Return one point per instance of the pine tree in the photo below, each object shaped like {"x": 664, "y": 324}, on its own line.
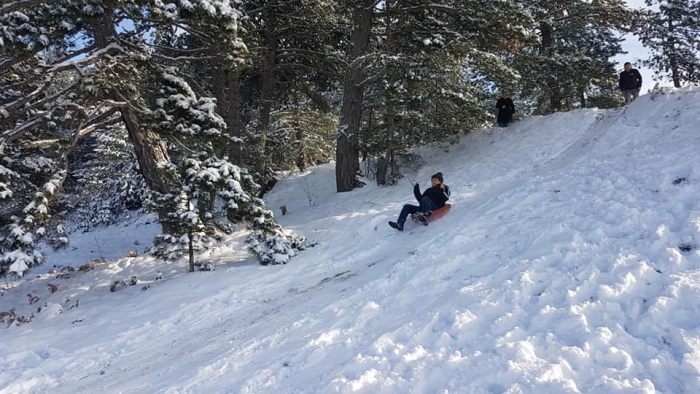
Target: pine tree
{"x": 573, "y": 58}
{"x": 290, "y": 65}
{"x": 70, "y": 68}
{"x": 104, "y": 183}
{"x": 418, "y": 73}
{"x": 199, "y": 178}
{"x": 18, "y": 247}
{"x": 671, "y": 34}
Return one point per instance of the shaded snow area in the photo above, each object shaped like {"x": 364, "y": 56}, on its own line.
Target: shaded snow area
{"x": 568, "y": 263}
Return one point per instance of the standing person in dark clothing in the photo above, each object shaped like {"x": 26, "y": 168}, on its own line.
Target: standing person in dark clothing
{"x": 432, "y": 199}
{"x": 506, "y": 109}
{"x": 630, "y": 83}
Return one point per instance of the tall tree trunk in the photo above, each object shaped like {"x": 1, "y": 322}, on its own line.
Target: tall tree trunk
{"x": 226, "y": 89}
{"x": 675, "y": 72}
{"x": 554, "y": 98}
{"x": 268, "y": 83}
{"x": 150, "y": 150}
{"x": 235, "y": 120}
{"x": 383, "y": 165}
{"x": 190, "y": 249}
{"x": 552, "y": 88}
{"x": 347, "y": 154}
{"x": 301, "y": 156}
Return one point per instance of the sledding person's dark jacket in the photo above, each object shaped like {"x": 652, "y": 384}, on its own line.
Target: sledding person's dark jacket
{"x": 630, "y": 80}
{"x": 435, "y": 193}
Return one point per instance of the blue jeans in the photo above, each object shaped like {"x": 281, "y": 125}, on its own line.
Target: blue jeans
{"x": 426, "y": 205}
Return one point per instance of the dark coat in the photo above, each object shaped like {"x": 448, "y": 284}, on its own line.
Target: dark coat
{"x": 506, "y": 109}
{"x": 435, "y": 193}
{"x": 630, "y": 80}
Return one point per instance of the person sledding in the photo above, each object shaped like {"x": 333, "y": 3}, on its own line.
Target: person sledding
{"x": 433, "y": 198}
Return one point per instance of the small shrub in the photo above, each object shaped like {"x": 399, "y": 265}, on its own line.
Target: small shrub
{"x": 116, "y": 285}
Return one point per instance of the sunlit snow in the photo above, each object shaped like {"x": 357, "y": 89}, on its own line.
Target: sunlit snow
{"x": 569, "y": 262}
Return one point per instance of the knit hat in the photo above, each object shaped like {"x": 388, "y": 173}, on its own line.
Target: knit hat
{"x": 437, "y": 176}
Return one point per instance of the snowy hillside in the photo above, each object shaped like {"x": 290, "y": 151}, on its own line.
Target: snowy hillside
{"x": 569, "y": 262}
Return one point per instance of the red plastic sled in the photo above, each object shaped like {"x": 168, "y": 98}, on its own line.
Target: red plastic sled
{"x": 437, "y": 214}
{"x": 440, "y": 212}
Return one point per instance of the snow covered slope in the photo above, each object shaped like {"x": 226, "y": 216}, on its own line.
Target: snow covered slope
{"x": 569, "y": 262}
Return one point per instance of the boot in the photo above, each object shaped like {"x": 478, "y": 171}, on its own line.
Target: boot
{"x": 396, "y": 225}
{"x": 423, "y": 219}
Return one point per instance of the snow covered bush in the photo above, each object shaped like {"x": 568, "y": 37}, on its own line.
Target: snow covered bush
{"x": 18, "y": 240}
{"x": 5, "y": 175}
{"x": 186, "y": 229}
{"x": 275, "y": 247}
{"x": 205, "y": 187}
{"x": 267, "y": 241}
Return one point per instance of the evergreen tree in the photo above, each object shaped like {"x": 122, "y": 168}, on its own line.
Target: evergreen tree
{"x": 201, "y": 178}
{"x": 573, "y": 58}
{"x": 291, "y": 66}
{"x": 68, "y": 68}
{"x": 418, "y": 76}
{"x": 104, "y": 183}
{"x": 281, "y": 94}
{"x": 17, "y": 247}
{"x": 671, "y": 34}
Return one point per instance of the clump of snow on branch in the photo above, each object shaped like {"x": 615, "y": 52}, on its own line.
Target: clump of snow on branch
{"x": 18, "y": 246}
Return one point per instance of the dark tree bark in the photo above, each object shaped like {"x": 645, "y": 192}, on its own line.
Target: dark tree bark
{"x": 190, "y": 250}
{"x": 546, "y": 44}
{"x": 387, "y": 162}
{"x": 226, "y": 88}
{"x": 347, "y": 155}
{"x": 673, "y": 61}
{"x": 301, "y": 157}
{"x": 149, "y": 148}
{"x": 268, "y": 83}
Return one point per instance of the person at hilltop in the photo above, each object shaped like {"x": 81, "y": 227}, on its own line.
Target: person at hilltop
{"x": 630, "y": 83}
{"x": 433, "y": 198}
{"x": 506, "y": 109}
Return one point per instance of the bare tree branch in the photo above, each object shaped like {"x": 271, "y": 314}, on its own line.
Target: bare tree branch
{"x": 21, "y": 4}
{"x": 16, "y": 105}
{"x": 80, "y": 133}
{"x": 96, "y": 122}
{"x": 8, "y": 63}
{"x": 9, "y": 135}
